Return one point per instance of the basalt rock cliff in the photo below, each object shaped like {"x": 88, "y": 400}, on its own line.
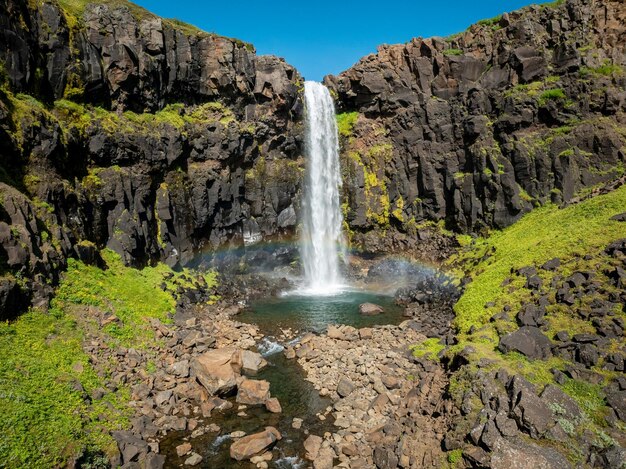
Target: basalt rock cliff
{"x": 120, "y": 129}
{"x": 476, "y": 129}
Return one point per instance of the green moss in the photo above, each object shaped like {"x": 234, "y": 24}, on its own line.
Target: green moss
{"x": 346, "y": 123}
{"x": 545, "y": 233}
{"x": 607, "y": 69}
{"x": 133, "y": 296}
{"x": 429, "y": 348}
{"x": 45, "y": 421}
{"x": 555, "y": 94}
{"x": 453, "y": 52}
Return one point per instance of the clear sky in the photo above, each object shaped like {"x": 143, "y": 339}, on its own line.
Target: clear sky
{"x": 326, "y": 36}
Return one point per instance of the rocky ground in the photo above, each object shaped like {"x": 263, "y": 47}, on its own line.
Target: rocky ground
{"x": 389, "y": 408}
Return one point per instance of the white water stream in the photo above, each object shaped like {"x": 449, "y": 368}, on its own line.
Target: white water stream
{"x": 322, "y": 243}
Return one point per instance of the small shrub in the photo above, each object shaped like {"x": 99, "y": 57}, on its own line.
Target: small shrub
{"x": 346, "y": 122}
{"x": 453, "y": 52}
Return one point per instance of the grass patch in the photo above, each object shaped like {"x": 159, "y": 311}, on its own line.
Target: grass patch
{"x": 44, "y": 418}
{"x": 545, "y": 233}
{"x": 554, "y": 94}
{"x": 430, "y": 348}
{"x": 453, "y": 52}
{"x": 346, "y": 122}
{"x": 133, "y": 296}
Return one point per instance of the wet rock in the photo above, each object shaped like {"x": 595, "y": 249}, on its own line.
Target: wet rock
{"x": 193, "y": 460}
{"x": 619, "y": 217}
{"x": 214, "y": 371}
{"x": 252, "y": 362}
{"x": 273, "y": 406}
{"x": 528, "y": 341}
{"x": 370, "y": 309}
{"x": 252, "y": 445}
{"x": 182, "y": 450}
{"x": 312, "y": 446}
{"x": 253, "y": 392}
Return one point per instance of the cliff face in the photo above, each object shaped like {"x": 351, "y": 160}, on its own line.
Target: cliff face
{"x": 145, "y": 136}
{"x": 120, "y": 129}
{"x": 478, "y": 128}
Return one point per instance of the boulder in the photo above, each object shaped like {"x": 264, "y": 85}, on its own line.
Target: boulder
{"x": 528, "y": 341}
{"x": 273, "y": 405}
{"x": 214, "y": 371}
{"x": 617, "y": 400}
{"x": 252, "y": 362}
{"x": 345, "y": 387}
{"x": 253, "y": 392}
{"x": 516, "y": 454}
{"x": 252, "y": 445}
{"x": 312, "y": 446}
{"x": 531, "y": 413}
{"x": 370, "y": 309}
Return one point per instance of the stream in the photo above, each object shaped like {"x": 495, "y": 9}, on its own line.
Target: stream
{"x": 298, "y": 397}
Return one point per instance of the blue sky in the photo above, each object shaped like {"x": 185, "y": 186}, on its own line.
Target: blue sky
{"x": 322, "y": 37}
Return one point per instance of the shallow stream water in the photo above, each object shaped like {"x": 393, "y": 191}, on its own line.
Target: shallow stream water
{"x": 298, "y": 397}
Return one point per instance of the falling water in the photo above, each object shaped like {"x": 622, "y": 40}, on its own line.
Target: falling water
{"x": 322, "y": 239}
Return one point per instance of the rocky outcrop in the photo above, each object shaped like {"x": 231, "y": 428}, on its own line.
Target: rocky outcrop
{"x": 146, "y": 136}
{"x": 476, "y": 129}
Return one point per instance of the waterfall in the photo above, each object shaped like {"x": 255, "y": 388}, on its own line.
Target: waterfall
{"x": 322, "y": 238}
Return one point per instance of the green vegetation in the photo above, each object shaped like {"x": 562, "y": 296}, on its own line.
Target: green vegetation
{"x": 133, "y": 296}
{"x": 429, "y": 348}
{"x": 346, "y": 122}
{"x": 607, "y": 69}
{"x": 554, "y": 94}
{"x": 43, "y": 371}
{"x": 453, "y": 52}
{"x": 44, "y": 418}
{"x": 545, "y": 233}
{"x": 493, "y": 23}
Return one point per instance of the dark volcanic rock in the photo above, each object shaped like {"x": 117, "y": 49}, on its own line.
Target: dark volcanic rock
{"x": 528, "y": 341}
{"x": 465, "y": 139}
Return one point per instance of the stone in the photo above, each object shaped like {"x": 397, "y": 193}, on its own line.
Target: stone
{"x": 252, "y": 445}
{"x": 214, "y": 371}
{"x": 193, "y": 460}
{"x": 334, "y": 332}
{"x": 253, "y": 392}
{"x": 273, "y": 406}
{"x": 370, "y": 309}
{"x": 345, "y": 387}
{"x": 531, "y": 413}
{"x": 252, "y": 362}
{"x": 324, "y": 459}
{"x": 619, "y": 217}
{"x": 312, "y": 446}
{"x": 516, "y": 454}
{"x": 296, "y": 423}
{"x": 182, "y": 450}
{"x": 528, "y": 341}
{"x": 617, "y": 401}
{"x": 385, "y": 457}
{"x": 560, "y": 403}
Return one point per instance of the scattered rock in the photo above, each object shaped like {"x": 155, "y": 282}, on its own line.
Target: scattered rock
{"x": 370, "y": 309}
{"x": 528, "y": 341}
{"x": 193, "y": 460}
{"x": 273, "y": 405}
{"x": 312, "y": 446}
{"x": 214, "y": 371}
{"x": 252, "y": 445}
{"x": 253, "y": 392}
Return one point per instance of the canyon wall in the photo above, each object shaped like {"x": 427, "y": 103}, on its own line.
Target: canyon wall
{"x": 474, "y": 130}
{"x": 124, "y": 130}
{"x": 120, "y": 129}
